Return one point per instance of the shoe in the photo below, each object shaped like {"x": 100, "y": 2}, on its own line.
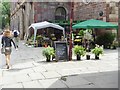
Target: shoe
{"x": 8, "y": 66}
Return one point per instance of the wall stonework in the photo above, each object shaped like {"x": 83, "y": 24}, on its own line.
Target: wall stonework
{"x": 90, "y": 11}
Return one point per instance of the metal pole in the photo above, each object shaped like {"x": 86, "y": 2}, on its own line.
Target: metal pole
{"x": 70, "y": 40}
{"x": 118, "y": 30}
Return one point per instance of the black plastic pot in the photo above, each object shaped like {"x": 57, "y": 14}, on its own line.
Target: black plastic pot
{"x": 53, "y": 57}
{"x": 78, "y": 57}
{"x": 96, "y": 57}
{"x": 48, "y": 59}
{"x": 88, "y": 57}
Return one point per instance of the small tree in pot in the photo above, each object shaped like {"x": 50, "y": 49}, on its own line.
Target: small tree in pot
{"x": 97, "y": 51}
{"x": 48, "y": 53}
{"x": 79, "y": 51}
{"x": 88, "y": 38}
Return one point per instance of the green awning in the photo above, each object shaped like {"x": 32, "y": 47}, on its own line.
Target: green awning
{"x": 92, "y": 23}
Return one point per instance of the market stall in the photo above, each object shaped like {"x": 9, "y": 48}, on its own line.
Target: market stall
{"x": 45, "y": 24}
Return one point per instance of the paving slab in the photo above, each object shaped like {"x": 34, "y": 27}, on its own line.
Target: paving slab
{"x": 16, "y": 85}
{"x": 8, "y": 80}
{"x": 32, "y": 84}
{"x": 51, "y": 74}
{"x": 22, "y": 78}
{"x": 65, "y": 72}
{"x": 39, "y": 69}
{"x": 36, "y": 76}
{"x": 23, "y": 65}
{"x": 17, "y": 71}
{"x": 52, "y": 83}
{"x": 75, "y": 81}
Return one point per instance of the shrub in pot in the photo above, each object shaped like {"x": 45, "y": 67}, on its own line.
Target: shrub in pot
{"x": 105, "y": 39}
{"x": 48, "y": 53}
{"x": 79, "y": 51}
{"x": 97, "y": 51}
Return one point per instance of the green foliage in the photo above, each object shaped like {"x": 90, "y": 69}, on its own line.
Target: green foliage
{"x": 5, "y": 14}
{"x": 105, "y": 39}
{"x": 81, "y": 33}
{"x": 32, "y": 38}
{"x": 79, "y": 50}
{"x": 97, "y": 50}
{"x": 49, "y": 51}
{"x": 39, "y": 36}
{"x": 39, "y": 39}
{"x": 89, "y": 30}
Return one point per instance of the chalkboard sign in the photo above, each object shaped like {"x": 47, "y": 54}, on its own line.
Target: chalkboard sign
{"x": 61, "y": 50}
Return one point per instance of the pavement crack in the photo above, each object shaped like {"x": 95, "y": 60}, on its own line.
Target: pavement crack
{"x": 64, "y": 78}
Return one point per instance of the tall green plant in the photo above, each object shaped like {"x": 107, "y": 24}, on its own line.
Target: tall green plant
{"x": 5, "y": 14}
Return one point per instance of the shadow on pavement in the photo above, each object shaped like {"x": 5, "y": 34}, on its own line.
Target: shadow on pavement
{"x": 93, "y": 80}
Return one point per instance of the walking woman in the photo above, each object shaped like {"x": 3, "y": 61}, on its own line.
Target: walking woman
{"x": 7, "y": 44}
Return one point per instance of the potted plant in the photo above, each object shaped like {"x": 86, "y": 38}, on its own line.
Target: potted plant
{"x": 48, "y": 53}
{"x": 39, "y": 40}
{"x": 97, "y": 51}
{"x": 79, "y": 51}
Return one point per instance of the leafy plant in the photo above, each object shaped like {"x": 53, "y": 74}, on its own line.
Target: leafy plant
{"x": 39, "y": 39}
{"x": 79, "y": 50}
{"x": 81, "y": 33}
{"x": 5, "y": 14}
{"x": 48, "y": 52}
{"x": 97, "y": 50}
{"x": 105, "y": 39}
{"x": 87, "y": 34}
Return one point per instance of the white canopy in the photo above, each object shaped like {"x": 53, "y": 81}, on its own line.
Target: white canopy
{"x": 44, "y": 24}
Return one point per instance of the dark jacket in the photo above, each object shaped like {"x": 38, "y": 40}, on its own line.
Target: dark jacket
{"x": 7, "y": 42}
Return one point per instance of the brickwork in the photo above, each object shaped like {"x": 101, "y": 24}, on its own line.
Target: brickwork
{"x": 90, "y": 11}
{"x": 46, "y": 11}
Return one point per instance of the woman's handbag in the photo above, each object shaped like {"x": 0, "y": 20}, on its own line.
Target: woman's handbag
{"x": 2, "y": 50}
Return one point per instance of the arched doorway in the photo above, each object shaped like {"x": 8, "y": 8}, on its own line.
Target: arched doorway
{"x": 60, "y": 13}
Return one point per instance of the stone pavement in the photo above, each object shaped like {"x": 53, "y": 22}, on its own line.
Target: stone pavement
{"x": 30, "y": 70}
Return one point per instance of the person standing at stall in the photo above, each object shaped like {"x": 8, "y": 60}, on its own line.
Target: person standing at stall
{"x": 16, "y": 37}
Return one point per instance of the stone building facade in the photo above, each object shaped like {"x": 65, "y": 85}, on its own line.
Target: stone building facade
{"x": 24, "y": 13}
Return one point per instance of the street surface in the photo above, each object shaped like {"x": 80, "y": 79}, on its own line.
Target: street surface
{"x": 30, "y": 70}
